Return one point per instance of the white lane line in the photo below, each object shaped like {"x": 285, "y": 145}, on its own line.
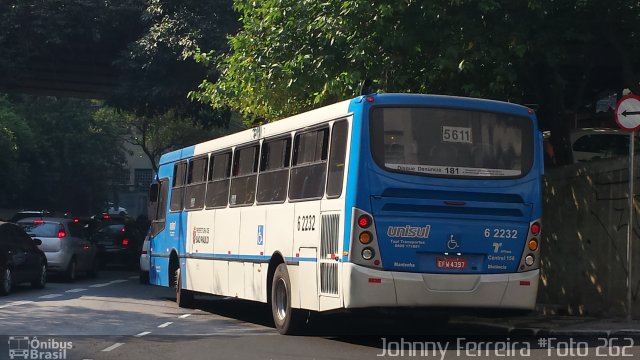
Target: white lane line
{"x": 165, "y": 324}
{"x": 50, "y": 296}
{"x": 184, "y": 316}
{"x": 75, "y": 290}
{"x": 133, "y": 277}
{"x": 142, "y": 334}
{"x": 112, "y": 347}
{"x": 16, "y": 303}
{"x": 109, "y": 283}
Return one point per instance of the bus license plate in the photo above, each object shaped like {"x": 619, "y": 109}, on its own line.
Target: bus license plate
{"x": 451, "y": 263}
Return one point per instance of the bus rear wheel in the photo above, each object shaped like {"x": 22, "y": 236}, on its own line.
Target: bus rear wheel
{"x": 184, "y": 297}
{"x": 287, "y": 320}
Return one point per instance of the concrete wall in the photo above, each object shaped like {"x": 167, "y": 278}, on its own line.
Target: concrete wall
{"x": 585, "y": 222}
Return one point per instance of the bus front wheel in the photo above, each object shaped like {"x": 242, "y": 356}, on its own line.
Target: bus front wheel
{"x": 287, "y": 320}
{"x": 184, "y": 297}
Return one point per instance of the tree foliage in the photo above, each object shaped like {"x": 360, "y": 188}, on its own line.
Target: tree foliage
{"x": 57, "y": 157}
{"x": 294, "y": 55}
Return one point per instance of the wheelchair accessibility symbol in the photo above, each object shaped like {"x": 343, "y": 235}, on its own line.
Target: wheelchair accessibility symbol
{"x": 452, "y": 244}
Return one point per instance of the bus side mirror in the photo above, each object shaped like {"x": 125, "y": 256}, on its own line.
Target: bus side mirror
{"x": 153, "y": 193}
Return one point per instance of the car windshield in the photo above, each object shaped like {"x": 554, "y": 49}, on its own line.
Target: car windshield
{"x": 46, "y": 229}
{"x": 451, "y": 142}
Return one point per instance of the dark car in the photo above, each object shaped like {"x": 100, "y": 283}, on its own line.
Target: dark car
{"x": 119, "y": 240}
{"x": 20, "y": 259}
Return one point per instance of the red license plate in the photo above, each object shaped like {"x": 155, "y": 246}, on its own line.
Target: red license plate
{"x": 457, "y": 263}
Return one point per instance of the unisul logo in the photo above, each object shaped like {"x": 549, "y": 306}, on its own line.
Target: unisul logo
{"x": 24, "y": 347}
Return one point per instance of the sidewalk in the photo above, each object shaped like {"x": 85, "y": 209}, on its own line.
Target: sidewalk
{"x": 556, "y": 325}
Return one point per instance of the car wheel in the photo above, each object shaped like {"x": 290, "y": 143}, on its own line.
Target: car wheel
{"x": 70, "y": 274}
{"x": 287, "y": 320}
{"x": 41, "y": 280}
{"x": 184, "y": 298}
{"x": 7, "y": 281}
{"x": 95, "y": 269}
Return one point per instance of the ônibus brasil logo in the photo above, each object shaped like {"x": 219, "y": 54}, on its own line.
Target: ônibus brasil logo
{"x": 24, "y": 347}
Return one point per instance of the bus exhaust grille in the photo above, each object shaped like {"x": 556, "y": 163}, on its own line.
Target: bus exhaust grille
{"x": 329, "y": 254}
{"x": 329, "y": 278}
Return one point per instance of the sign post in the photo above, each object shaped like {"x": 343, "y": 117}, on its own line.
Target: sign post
{"x": 628, "y": 118}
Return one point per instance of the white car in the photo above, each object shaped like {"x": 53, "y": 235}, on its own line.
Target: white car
{"x": 145, "y": 262}
{"x": 591, "y": 144}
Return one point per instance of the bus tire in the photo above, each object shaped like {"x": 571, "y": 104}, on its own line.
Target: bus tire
{"x": 184, "y": 297}
{"x": 288, "y": 321}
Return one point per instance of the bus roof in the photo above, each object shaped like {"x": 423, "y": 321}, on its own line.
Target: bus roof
{"x": 336, "y": 111}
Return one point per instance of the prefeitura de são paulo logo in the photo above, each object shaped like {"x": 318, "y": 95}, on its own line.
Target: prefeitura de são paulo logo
{"x": 25, "y": 347}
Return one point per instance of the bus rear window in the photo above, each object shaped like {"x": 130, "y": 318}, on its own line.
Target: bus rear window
{"x": 451, "y": 142}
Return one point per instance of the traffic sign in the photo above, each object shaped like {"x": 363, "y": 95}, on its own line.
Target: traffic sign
{"x": 628, "y": 113}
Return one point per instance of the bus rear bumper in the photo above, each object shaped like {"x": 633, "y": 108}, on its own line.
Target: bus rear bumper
{"x": 365, "y": 287}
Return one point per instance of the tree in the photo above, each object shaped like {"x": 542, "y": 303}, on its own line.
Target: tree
{"x": 158, "y": 70}
{"x": 158, "y": 134}
{"x": 61, "y": 157}
{"x": 294, "y": 55}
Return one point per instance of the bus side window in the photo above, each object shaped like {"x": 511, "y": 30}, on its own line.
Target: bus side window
{"x": 159, "y": 216}
{"x": 243, "y": 183}
{"x": 309, "y": 167}
{"x": 274, "y": 170}
{"x": 196, "y": 177}
{"x": 337, "y": 158}
{"x": 177, "y": 190}
{"x": 218, "y": 180}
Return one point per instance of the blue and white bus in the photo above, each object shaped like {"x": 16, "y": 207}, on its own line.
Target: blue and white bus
{"x": 384, "y": 200}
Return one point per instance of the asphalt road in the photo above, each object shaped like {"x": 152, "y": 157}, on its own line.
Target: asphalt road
{"x": 114, "y": 317}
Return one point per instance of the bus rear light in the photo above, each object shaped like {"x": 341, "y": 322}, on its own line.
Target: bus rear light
{"x": 529, "y": 260}
{"x": 370, "y": 99}
{"x": 364, "y": 221}
{"x": 535, "y": 228}
{"x": 365, "y": 237}
{"x": 368, "y": 253}
{"x": 533, "y": 244}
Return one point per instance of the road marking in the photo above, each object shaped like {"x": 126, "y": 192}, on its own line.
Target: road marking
{"x": 16, "y": 303}
{"x": 133, "y": 277}
{"x": 184, "y": 316}
{"x": 165, "y": 324}
{"x": 75, "y": 290}
{"x": 112, "y": 347}
{"x": 143, "y": 334}
{"x": 107, "y": 284}
{"x": 50, "y": 296}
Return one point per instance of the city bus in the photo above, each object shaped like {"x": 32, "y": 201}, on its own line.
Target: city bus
{"x": 381, "y": 201}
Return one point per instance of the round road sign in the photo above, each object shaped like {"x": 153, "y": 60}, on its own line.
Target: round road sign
{"x": 628, "y": 113}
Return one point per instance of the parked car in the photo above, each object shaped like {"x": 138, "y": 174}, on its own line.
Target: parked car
{"x": 593, "y": 143}
{"x": 145, "y": 260}
{"x": 20, "y": 259}
{"x": 23, "y": 214}
{"x": 119, "y": 240}
{"x": 65, "y": 244}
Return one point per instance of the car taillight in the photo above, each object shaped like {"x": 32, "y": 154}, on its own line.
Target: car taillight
{"x": 61, "y": 234}
{"x": 38, "y": 222}
{"x": 125, "y": 242}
